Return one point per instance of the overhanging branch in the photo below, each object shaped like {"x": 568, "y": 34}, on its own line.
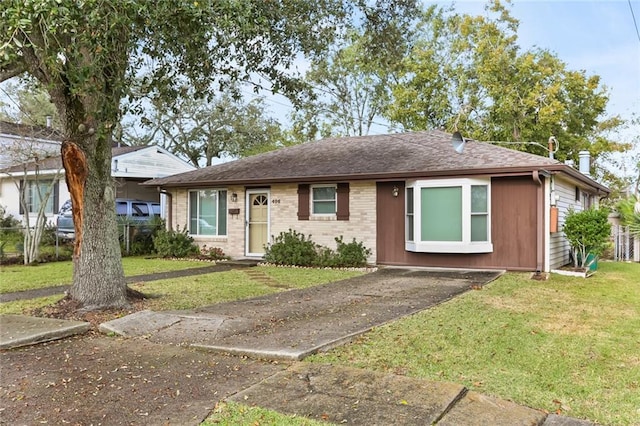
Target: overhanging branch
{"x": 12, "y": 70}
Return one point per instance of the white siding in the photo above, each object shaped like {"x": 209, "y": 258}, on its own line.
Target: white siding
{"x": 558, "y": 245}
{"x": 148, "y": 163}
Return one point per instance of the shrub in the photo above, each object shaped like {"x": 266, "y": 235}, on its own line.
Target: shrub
{"x": 292, "y": 248}
{"x": 588, "y": 232}
{"x": 141, "y": 235}
{"x": 213, "y": 253}
{"x": 174, "y": 244}
{"x": 353, "y": 254}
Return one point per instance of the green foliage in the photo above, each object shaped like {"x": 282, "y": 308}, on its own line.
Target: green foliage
{"x": 588, "y": 232}
{"x": 294, "y": 248}
{"x": 213, "y": 253}
{"x": 203, "y": 130}
{"x": 174, "y": 243}
{"x": 351, "y": 254}
{"x": 141, "y": 234}
{"x": 49, "y": 234}
{"x": 469, "y": 73}
{"x": 629, "y": 210}
{"x": 8, "y": 224}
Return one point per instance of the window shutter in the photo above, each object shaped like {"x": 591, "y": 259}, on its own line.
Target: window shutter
{"x": 56, "y": 197}
{"x": 22, "y": 198}
{"x": 343, "y": 201}
{"x": 303, "y": 202}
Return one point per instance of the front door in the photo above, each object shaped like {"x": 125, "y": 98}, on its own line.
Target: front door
{"x": 257, "y": 222}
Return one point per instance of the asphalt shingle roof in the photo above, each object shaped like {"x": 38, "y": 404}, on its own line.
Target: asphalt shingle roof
{"x": 29, "y": 131}
{"x": 379, "y": 156}
{"x": 55, "y": 163}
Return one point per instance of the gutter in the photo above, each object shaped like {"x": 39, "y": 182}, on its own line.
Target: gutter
{"x": 540, "y": 225}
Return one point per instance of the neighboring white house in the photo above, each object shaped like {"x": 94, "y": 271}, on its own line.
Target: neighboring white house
{"x": 130, "y": 166}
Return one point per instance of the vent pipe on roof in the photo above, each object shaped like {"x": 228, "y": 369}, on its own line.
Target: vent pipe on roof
{"x": 585, "y": 163}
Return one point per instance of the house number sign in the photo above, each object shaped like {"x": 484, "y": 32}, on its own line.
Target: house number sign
{"x": 275, "y": 201}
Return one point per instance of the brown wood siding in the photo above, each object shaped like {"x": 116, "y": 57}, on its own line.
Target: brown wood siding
{"x": 513, "y": 227}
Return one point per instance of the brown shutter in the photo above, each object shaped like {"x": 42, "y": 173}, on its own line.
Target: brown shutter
{"x": 343, "y": 201}
{"x": 303, "y": 202}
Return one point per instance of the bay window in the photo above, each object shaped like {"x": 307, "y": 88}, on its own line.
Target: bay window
{"x": 449, "y": 216}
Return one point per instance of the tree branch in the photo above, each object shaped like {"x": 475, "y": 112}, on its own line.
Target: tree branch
{"x": 12, "y": 70}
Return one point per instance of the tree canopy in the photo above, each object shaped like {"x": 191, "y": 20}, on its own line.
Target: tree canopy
{"x": 202, "y": 131}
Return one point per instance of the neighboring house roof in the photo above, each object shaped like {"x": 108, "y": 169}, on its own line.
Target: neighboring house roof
{"x": 382, "y": 157}
{"x": 28, "y": 131}
{"x": 141, "y": 166}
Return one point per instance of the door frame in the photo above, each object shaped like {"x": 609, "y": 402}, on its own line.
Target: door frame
{"x": 247, "y": 200}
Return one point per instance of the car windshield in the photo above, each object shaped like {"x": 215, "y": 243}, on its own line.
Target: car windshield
{"x": 66, "y": 207}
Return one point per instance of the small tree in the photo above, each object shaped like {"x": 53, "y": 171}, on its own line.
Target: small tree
{"x": 588, "y": 232}
{"x": 35, "y": 192}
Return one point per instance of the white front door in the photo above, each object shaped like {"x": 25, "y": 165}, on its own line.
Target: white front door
{"x": 257, "y": 222}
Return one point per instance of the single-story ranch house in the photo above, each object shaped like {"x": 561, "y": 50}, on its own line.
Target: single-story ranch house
{"x": 409, "y": 197}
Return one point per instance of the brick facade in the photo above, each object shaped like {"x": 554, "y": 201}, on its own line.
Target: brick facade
{"x": 283, "y": 215}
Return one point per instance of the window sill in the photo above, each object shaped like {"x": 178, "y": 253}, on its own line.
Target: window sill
{"x": 209, "y": 238}
{"x": 448, "y": 247}
{"x": 328, "y": 217}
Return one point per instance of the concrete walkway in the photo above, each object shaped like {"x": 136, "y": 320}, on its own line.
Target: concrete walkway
{"x": 294, "y": 324}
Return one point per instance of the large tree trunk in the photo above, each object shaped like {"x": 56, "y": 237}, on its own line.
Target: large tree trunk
{"x": 98, "y": 278}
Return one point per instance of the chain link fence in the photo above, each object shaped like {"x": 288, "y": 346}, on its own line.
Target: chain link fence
{"x": 135, "y": 238}
{"x": 625, "y": 245}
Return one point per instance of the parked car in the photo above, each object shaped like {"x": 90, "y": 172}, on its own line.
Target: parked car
{"x": 133, "y": 212}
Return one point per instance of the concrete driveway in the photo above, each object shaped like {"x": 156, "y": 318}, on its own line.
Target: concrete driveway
{"x": 297, "y": 323}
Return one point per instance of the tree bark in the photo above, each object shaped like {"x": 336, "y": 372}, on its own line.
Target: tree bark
{"x": 98, "y": 277}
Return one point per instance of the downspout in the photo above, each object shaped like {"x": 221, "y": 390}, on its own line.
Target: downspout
{"x": 169, "y": 209}
{"x": 539, "y": 222}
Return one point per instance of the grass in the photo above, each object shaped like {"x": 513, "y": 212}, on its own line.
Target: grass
{"x": 21, "y": 277}
{"x": 201, "y": 290}
{"x": 191, "y": 292}
{"x": 232, "y": 414}
{"x": 21, "y": 306}
{"x": 564, "y": 345}
{"x": 307, "y": 277}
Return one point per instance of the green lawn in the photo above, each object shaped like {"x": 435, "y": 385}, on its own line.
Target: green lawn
{"x": 21, "y": 277}
{"x": 566, "y": 344}
{"x": 191, "y": 292}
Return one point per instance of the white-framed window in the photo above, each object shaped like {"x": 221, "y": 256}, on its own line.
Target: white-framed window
{"x": 324, "y": 200}
{"x": 409, "y": 226}
{"x": 449, "y": 216}
{"x": 208, "y": 212}
{"x": 37, "y": 192}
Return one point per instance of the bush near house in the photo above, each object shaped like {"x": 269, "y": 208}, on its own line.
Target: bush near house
{"x": 295, "y": 249}
{"x": 170, "y": 243}
{"x": 588, "y": 232}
